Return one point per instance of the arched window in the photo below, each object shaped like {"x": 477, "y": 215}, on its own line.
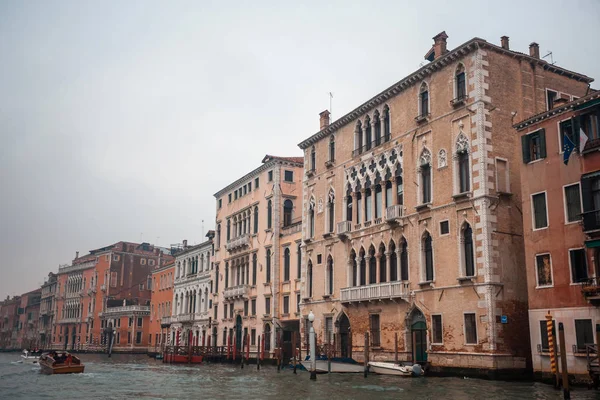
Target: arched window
{"x": 354, "y": 268}
{"x": 378, "y": 202}
{"x": 363, "y": 267}
{"x": 461, "y": 83}
{"x": 226, "y": 275}
{"x": 329, "y": 275}
{"x": 368, "y": 205}
{"x": 382, "y": 264}
{"x": 425, "y": 174}
{"x": 368, "y": 133}
{"x": 389, "y": 195}
{"x": 404, "y": 260}
{"x": 228, "y": 230}
{"x": 299, "y": 262}
{"x": 423, "y": 100}
{"x": 427, "y": 256}
{"x": 331, "y": 212}
{"x": 255, "y": 219}
{"x": 254, "y": 265}
{"x": 359, "y": 137}
{"x": 467, "y": 239}
{"x": 268, "y": 265}
{"x": 372, "y": 266}
{"x": 462, "y": 163}
{"x": 393, "y": 263}
{"x": 377, "y": 126}
{"x": 286, "y": 264}
{"x": 269, "y": 214}
{"x": 348, "y": 205}
{"x": 313, "y": 159}
{"x": 311, "y": 218}
{"x": 331, "y": 148}
{"x": 309, "y": 278}
{"x": 386, "y": 123}
{"x": 358, "y": 207}
{"x": 287, "y": 212}
{"x": 219, "y": 235}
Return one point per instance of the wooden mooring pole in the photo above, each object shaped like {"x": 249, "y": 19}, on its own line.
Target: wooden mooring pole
{"x": 258, "y": 354}
{"x": 242, "y": 351}
{"x": 294, "y": 350}
{"x": 366, "y": 354}
{"x": 396, "y": 347}
{"x": 563, "y": 361}
{"x": 247, "y": 348}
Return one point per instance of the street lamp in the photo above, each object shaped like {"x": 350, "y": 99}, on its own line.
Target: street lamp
{"x": 313, "y": 350}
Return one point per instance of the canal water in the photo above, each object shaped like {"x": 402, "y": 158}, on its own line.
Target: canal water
{"x": 137, "y": 376}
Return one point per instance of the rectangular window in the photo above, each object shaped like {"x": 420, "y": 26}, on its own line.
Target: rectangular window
{"x": 572, "y": 203}
{"x": 426, "y": 182}
{"x": 374, "y": 324}
{"x": 502, "y": 176}
{"x": 579, "y": 272}
{"x": 590, "y": 125}
{"x": 220, "y": 203}
{"x": 245, "y": 189}
{"x": 113, "y": 279}
{"x": 470, "y": 328}
{"x": 231, "y": 309}
{"x": 533, "y": 146}
{"x": 437, "y": 329}
{"x": 544, "y": 270}
{"x": 139, "y": 322}
{"x": 544, "y": 336}
{"x": 256, "y": 183}
{"x": 245, "y": 308}
{"x": 249, "y": 187}
{"x": 215, "y": 311}
{"x": 253, "y": 306}
{"x": 130, "y": 322}
{"x": 461, "y": 86}
{"x": 329, "y": 330}
{"x": 567, "y": 128}
{"x": 229, "y": 197}
{"x": 550, "y": 97}
{"x": 128, "y": 337}
{"x": 252, "y": 337}
{"x": 288, "y": 176}
{"x": 444, "y": 227}
{"x": 235, "y": 195}
{"x": 224, "y": 310}
{"x": 540, "y": 215}
{"x": 286, "y": 304}
{"x": 298, "y": 302}
{"x": 270, "y": 176}
{"x": 268, "y": 305}
{"x": 138, "y": 337}
{"x": 584, "y": 334}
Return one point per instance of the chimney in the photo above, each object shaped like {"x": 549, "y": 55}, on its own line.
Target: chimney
{"x": 439, "y": 47}
{"x": 76, "y": 254}
{"x": 185, "y": 244}
{"x": 504, "y": 42}
{"x": 324, "y": 119}
{"x": 534, "y": 50}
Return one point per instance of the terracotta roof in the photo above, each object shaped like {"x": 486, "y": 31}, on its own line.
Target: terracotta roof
{"x": 268, "y": 157}
{"x": 557, "y": 110}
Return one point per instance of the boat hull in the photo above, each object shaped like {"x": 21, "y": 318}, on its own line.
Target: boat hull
{"x": 390, "y": 369}
{"x": 60, "y": 369}
{"x": 336, "y": 367}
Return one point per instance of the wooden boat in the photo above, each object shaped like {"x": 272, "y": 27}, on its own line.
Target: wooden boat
{"x": 385, "y": 368}
{"x": 30, "y": 356}
{"x": 338, "y": 365}
{"x": 60, "y": 363}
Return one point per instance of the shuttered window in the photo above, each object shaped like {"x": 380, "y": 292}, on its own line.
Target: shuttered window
{"x": 533, "y": 146}
{"x": 544, "y": 336}
{"x": 470, "y": 329}
{"x": 502, "y": 176}
{"x": 436, "y": 328}
{"x": 583, "y": 333}
{"x": 573, "y": 203}
{"x": 540, "y": 217}
{"x": 579, "y": 272}
{"x": 375, "y": 336}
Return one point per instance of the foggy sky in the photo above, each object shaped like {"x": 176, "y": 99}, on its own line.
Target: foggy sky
{"x": 120, "y": 120}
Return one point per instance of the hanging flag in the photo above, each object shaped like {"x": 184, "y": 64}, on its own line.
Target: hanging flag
{"x": 582, "y": 140}
{"x": 568, "y": 147}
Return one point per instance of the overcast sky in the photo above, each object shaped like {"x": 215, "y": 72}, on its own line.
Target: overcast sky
{"x": 120, "y": 120}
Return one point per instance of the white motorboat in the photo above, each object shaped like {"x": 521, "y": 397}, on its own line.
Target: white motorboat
{"x": 385, "y": 368}
{"x": 30, "y": 356}
{"x": 336, "y": 367}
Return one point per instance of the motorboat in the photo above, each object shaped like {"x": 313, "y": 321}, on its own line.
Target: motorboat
{"x": 340, "y": 365}
{"x": 60, "y": 363}
{"x": 386, "y": 368}
{"x": 32, "y": 356}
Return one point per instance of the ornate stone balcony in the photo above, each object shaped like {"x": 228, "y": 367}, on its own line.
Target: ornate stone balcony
{"x": 394, "y": 213}
{"x": 240, "y": 291}
{"x": 344, "y": 228}
{"x": 238, "y": 242}
{"x": 168, "y": 320}
{"x": 103, "y": 288}
{"x": 125, "y": 310}
{"x": 191, "y": 317}
{"x": 69, "y": 320}
{"x": 376, "y": 291}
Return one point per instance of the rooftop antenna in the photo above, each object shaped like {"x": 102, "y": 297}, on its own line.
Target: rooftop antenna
{"x": 331, "y": 106}
{"x": 202, "y": 228}
{"x": 551, "y": 57}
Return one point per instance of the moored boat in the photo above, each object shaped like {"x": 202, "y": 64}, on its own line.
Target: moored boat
{"x": 385, "y": 368}
{"x": 60, "y": 363}
{"x": 338, "y": 365}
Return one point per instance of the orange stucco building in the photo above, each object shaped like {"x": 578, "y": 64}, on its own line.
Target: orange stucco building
{"x": 160, "y": 307}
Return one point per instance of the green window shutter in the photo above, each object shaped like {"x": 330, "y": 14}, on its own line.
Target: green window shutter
{"x": 525, "y": 148}
{"x": 586, "y": 194}
{"x": 542, "y": 133}
{"x": 575, "y": 123}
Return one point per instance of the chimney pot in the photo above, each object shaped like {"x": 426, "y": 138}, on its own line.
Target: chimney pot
{"x": 185, "y": 243}
{"x": 534, "y": 50}
{"x": 439, "y": 47}
{"x": 324, "y": 119}
{"x": 504, "y": 42}
{"x": 76, "y": 254}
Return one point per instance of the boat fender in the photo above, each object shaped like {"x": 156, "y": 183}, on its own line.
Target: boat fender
{"x": 417, "y": 370}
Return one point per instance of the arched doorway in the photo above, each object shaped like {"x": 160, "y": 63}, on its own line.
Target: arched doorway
{"x": 345, "y": 336}
{"x": 418, "y": 330}
{"x": 267, "y": 338}
{"x": 238, "y": 332}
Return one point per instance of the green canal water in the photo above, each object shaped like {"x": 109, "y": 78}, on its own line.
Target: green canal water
{"x": 139, "y": 377}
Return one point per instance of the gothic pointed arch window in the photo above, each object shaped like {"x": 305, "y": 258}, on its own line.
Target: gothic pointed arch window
{"x": 299, "y": 261}
{"x": 311, "y": 218}
{"x": 349, "y": 201}
{"x": 331, "y": 148}
{"x": 228, "y": 230}
{"x": 425, "y": 176}
{"x": 288, "y": 207}
{"x": 423, "y": 100}
{"x": 368, "y": 135}
{"x": 462, "y": 163}
{"x": 378, "y": 201}
{"x": 460, "y": 80}
{"x": 403, "y": 260}
{"x": 313, "y": 159}
{"x": 354, "y": 268}
{"x": 363, "y": 267}
{"x": 427, "y": 249}
{"x": 358, "y": 137}
{"x": 269, "y": 214}
{"x": 255, "y": 219}
{"x": 331, "y": 212}
{"x": 286, "y": 264}
{"x": 226, "y": 275}
{"x": 372, "y": 265}
{"x": 377, "y": 128}
{"x": 268, "y": 266}
{"x": 382, "y": 264}
{"x": 329, "y": 280}
{"x": 386, "y": 124}
{"x": 393, "y": 262}
{"x": 309, "y": 278}
{"x": 368, "y": 204}
{"x": 467, "y": 250}
{"x": 254, "y": 268}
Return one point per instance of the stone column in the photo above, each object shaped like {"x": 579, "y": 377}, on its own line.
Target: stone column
{"x": 398, "y": 264}
{"x": 394, "y": 191}
{"x": 378, "y": 268}
{"x": 383, "y": 197}
{"x": 358, "y": 270}
{"x": 388, "y": 267}
{"x": 354, "y": 209}
{"x": 373, "y": 204}
{"x": 367, "y": 270}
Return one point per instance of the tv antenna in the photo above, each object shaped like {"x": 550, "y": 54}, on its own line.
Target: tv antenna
{"x": 330, "y": 106}
{"x": 551, "y": 57}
